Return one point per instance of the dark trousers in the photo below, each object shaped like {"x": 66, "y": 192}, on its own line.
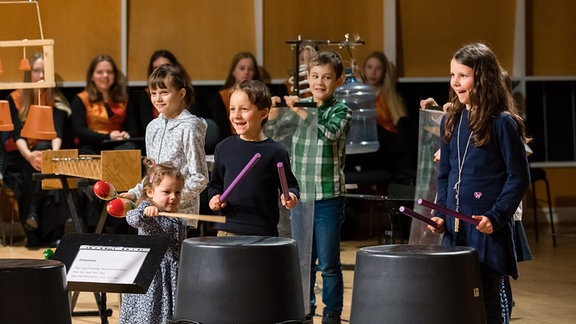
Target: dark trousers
{"x": 492, "y": 286}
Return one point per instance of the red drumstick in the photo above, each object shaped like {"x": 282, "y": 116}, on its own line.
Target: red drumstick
{"x": 411, "y": 213}
{"x": 105, "y": 190}
{"x": 448, "y": 212}
{"x": 283, "y": 181}
{"x": 239, "y": 177}
{"x": 119, "y": 207}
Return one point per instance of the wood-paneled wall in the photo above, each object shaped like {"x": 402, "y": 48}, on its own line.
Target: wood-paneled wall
{"x": 432, "y": 30}
{"x": 80, "y": 29}
{"x": 551, "y": 37}
{"x": 319, "y": 20}
{"x": 205, "y": 34}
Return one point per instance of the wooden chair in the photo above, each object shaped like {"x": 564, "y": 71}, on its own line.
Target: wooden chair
{"x": 9, "y": 212}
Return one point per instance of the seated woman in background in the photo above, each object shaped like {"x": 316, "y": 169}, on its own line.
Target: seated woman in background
{"x": 380, "y": 74}
{"x": 102, "y": 119}
{"x": 24, "y": 156}
{"x": 243, "y": 67}
{"x": 146, "y": 111}
{"x": 101, "y": 112}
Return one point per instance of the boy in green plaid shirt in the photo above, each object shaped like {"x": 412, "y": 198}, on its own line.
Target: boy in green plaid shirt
{"x": 318, "y": 154}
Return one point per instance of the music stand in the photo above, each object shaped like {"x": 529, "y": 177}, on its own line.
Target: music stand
{"x": 103, "y": 263}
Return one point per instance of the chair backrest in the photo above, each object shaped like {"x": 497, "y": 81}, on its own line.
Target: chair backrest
{"x": 399, "y": 190}
{"x": 212, "y": 136}
{"x": 537, "y": 174}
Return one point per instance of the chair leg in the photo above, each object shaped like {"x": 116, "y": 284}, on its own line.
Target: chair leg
{"x": 3, "y": 234}
{"x": 370, "y": 219}
{"x": 12, "y": 230}
{"x": 552, "y": 227}
{"x": 2, "y": 222}
{"x": 535, "y": 211}
{"x": 15, "y": 218}
{"x": 378, "y": 223}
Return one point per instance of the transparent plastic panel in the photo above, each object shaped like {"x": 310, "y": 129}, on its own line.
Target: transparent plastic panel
{"x": 285, "y": 128}
{"x": 427, "y": 174}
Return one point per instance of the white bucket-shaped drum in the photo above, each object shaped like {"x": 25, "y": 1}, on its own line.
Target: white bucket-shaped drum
{"x": 33, "y": 291}
{"x": 243, "y": 279}
{"x": 417, "y": 284}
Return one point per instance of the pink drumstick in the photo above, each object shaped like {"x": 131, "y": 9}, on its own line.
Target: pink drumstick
{"x": 448, "y": 212}
{"x": 411, "y": 213}
{"x": 283, "y": 181}
{"x": 239, "y": 177}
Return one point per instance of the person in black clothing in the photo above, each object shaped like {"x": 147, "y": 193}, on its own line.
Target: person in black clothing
{"x": 252, "y": 206}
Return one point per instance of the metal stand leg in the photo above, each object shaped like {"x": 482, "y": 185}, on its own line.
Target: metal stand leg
{"x": 100, "y": 297}
{"x": 535, "y": 210}
{"x": 552, "y": 226}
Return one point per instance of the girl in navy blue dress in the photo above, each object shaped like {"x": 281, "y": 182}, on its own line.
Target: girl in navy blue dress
{"x": 483, "y": 168}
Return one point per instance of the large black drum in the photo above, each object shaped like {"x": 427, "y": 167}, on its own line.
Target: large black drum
{"x": 243, "y": 279}
{"x": 417, "y": 284}
{"x": 33, "y": 291}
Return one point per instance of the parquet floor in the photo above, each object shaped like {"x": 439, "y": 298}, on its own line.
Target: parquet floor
{"x": 544, "y": 293}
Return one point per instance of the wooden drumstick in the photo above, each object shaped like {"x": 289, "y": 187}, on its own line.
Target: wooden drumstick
{"x": 206, "y": 218}
{"x": 120, "y": 206}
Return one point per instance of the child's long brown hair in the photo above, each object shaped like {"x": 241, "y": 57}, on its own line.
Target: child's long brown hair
{"x": 488, "y": 98}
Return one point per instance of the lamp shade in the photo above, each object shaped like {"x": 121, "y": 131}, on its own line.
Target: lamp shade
{"x": 39, "y": 123}
{"x": 24, "y": 65}
{"x": 5, "y": 118}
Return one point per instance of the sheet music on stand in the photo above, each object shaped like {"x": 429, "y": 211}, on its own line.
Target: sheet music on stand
{"x": 102, "y": 263}
{"x": 110, "y": 263}
{"x": 107, "y": 264}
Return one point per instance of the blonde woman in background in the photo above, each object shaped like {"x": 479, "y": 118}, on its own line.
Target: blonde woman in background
{"x": 380, "y": 74}
{"x": 392, "y": 156}
{"x": 24, "y": 156}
